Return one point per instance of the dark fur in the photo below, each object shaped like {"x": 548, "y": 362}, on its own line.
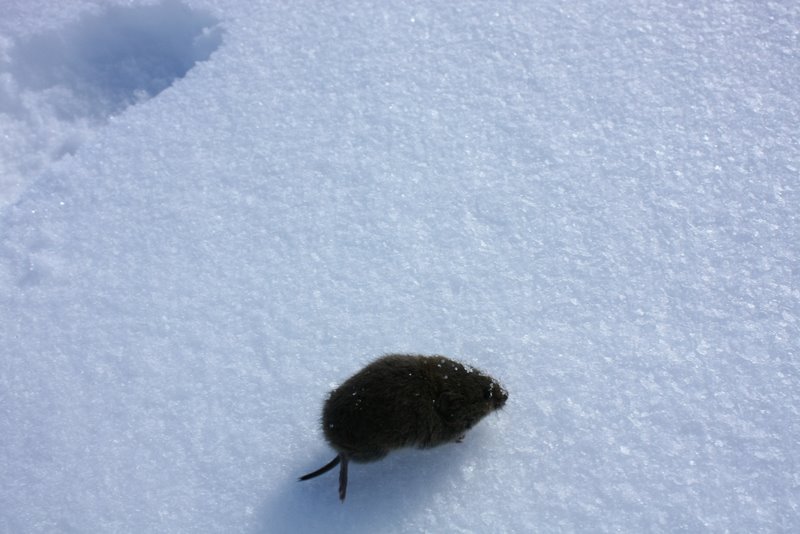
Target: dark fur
{"x": 404, "y": 401}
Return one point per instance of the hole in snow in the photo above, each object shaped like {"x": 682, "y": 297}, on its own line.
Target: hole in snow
{"x": 106, "y": 62}
{"x": 55, "y": 87}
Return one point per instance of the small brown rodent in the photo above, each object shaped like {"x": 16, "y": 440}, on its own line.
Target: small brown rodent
{"x": 402, "y": 400}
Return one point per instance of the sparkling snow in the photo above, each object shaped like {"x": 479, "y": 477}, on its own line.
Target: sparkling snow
{"x": 212, "y": 212}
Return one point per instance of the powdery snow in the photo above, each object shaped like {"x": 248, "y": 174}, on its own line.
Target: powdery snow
{"x": 207, "y": 228}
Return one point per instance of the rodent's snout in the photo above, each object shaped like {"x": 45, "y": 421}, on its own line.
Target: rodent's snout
{"x": 500, "y": 396}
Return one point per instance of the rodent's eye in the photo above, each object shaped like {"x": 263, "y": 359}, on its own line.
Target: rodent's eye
{"x": 487, "y": 393}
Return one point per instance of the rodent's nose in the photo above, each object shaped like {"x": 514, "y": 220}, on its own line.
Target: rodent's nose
{"x": 500, "y": 398}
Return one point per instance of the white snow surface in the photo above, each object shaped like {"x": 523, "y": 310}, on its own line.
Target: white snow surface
{"x": 236, "y": 205}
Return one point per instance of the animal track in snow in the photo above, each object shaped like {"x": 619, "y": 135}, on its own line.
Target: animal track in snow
{"x": 56, "y": 87}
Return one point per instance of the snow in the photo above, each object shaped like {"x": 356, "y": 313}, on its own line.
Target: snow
{"x": 597, "y": 204}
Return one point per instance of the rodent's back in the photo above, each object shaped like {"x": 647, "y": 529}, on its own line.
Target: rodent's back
{"x": 383, "y": 407}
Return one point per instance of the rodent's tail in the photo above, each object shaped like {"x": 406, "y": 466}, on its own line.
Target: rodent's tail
{"x": 324, "y": 469}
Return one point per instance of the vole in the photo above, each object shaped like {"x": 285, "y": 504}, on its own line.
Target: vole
{"x": 404, "y": 400}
